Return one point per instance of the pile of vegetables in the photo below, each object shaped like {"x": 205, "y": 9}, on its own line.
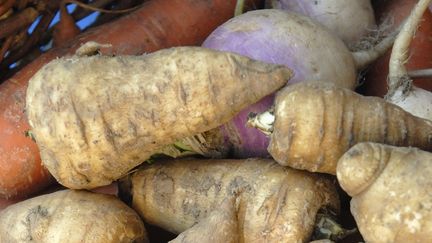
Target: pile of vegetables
{"x": 220, "y": 121}
{"x": 21, "y": 172}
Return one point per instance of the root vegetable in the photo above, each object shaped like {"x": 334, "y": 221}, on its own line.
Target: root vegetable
{"x": 156, "y": 25}
{"x": 71, "y": 216}
{"x": 272, "y": 203}
{"x": 349, "y": 20}
{"x": 281, "y": 37}
{"x": 401, "y": 90}
{"x": 95, "y": 118}
{"x": 316, "y": 123}
{"x": 375, "y": 82}
{"x": 391, "y": 190}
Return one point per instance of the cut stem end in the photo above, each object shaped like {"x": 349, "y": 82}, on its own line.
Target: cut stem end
{"x": 263, "y": 122}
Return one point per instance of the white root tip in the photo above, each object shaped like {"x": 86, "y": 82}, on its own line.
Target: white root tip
{"x": 400, "y": 53}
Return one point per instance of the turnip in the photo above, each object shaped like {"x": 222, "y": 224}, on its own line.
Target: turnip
{"x": 401, "y": 89}
{"x": 348, "y": 19}
{"x": 287, "y": 38}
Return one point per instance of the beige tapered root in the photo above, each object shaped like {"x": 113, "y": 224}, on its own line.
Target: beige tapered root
{"x": 398, "y": 75}
{"x": 95, "y": 118}
{"x": 316, "y": 123}
{"x": 274, "y": 203}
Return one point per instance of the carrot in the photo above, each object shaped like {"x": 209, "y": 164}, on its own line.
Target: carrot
{"x": 66, "y": 29}
{"x": 158, "y": 24}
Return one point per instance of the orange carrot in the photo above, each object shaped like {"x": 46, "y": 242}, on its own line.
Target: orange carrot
{"x": 66, "y": 29}
{"x": 157, "y": 24}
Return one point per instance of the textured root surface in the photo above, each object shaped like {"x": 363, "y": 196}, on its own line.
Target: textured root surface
{"x": 316, "y": 123}
{"x": 397, "y": 178}
{"x": 275, "y": 204}
{"x": 71, "y": 216}
{"x": 95, "y": 118}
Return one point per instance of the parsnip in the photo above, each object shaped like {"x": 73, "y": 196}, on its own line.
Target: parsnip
{"x": 272, "y": 203}
{"x": 316, "y": 123}
{"x": 71, "y": 216}
{"x": 95, "y": 118}
{"x": 391, "y": 191}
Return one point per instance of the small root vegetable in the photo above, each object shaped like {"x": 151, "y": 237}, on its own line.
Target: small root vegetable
{"x": 401, "y": 90}
{"x": 95, "y": 118}
{"x": 350, "y": 20}
{"x": 316, "y": 123}
{"x": 391, "y": 191}
{"x": 272, "y": 203}
{"x": 71, "y": 216}
{"x": 298, "y": 42}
